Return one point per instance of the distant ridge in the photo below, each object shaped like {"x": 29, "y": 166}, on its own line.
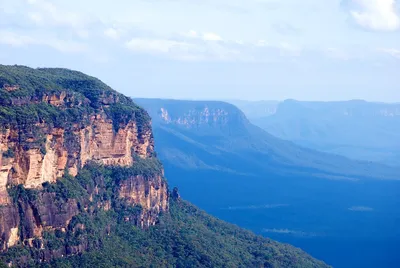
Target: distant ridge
{"x": 223, "y": 129}
{"x": 356, "y": 129}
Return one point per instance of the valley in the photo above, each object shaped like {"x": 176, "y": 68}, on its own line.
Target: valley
{"x": 315, "y": 203}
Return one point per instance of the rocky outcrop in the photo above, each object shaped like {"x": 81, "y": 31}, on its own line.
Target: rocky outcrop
{"x": 99, "y": 142}
{"x": 9, "y": 221}
{"x": 33, "y": 213}
{"x": 32, "y": 164}
{"x": 200, "y": 116}
{"x": 53, "y": 122}
{"x": 151, "y": 195}
{"x": 24, "y": 220}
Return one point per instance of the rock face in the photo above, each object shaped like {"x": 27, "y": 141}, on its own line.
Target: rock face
{"x": 54, "y": 127}
{"x": 203, "y": 117}
{"x": 28, "y": 218}
{"x": 97, "y": 141}
{"x": 199, "y": 116}
{"x": 148, "y": 194}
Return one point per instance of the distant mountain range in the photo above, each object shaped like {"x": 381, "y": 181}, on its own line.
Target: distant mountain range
{"x": 356, "y": 129}
{"x": 217, "y": 135}
{"x": 342, "y": 211}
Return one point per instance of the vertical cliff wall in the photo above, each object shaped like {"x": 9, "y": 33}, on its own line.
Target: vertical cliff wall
{"x": 33, "y": 213}
{"x": 54, "y": 122}
{"x": 61, "y": 149}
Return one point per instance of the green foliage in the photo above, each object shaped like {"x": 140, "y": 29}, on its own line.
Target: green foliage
{"x": 187, "y": 237}
{"x": 148, "y": 168}
{"x": 19, "y": 192}
{"x": 53, "y": 242}
{"x": 66, "y": 188}
{"x": 37, "y": 82}
{"x": 85, "y": 96}
{"x": 14, "y": 253}
{"x": 121, "y": 114}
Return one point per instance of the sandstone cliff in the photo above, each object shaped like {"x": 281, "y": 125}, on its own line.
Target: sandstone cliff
{"x": 69, "y": 149}
{"x": 53, "y": 122}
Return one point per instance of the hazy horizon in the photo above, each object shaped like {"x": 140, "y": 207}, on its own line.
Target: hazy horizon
{"x": 265, "y": 100}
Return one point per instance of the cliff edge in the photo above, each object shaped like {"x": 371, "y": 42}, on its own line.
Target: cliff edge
{"x": 52, "y": 123}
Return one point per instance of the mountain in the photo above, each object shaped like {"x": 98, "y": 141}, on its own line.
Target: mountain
{"x": 355, "y": 129}
{"x": 81, "y": 186}
{"x": 341, "y": 211}
{"x": 219, "y": 134}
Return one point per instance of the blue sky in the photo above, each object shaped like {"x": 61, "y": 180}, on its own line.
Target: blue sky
{"x": 214, "y": 49}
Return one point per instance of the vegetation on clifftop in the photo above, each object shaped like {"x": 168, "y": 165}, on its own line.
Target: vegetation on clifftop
{"x": 23, "y": 91}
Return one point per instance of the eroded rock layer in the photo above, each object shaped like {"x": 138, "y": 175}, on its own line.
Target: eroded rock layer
{"x": 53, "y": 124}
{"x": 67, "y": 149}
{"x": 38, "y": 211}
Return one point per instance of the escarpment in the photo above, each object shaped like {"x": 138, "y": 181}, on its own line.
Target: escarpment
{"x": 53, "y": 124}
{"x": 49, "y": 152}
{"x": 58, "y": 207}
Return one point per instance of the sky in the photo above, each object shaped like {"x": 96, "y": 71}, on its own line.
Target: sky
{"x": 214, "y": 49}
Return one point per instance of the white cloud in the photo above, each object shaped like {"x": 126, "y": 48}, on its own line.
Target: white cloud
{"x": 184, "y": 50}
{"x": 7, "y": 38}
{"x": 112, "y": 33}
{"x": 66, "y": 46}
{"x": 163, "y": 47}
{"x": 52, "y": 17}
{"x": 180, "y": 47}
{"x": 18, "y": 40}
{"x": 208, "y": 36}
{"x": 391, "y": 51}
{"x": 45, "y": 13}
{"x": 211, "y": 37}
{"x": 157, "y": 45}
{"x": 50, "y": 21}
{"x": 378, "y": 15}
